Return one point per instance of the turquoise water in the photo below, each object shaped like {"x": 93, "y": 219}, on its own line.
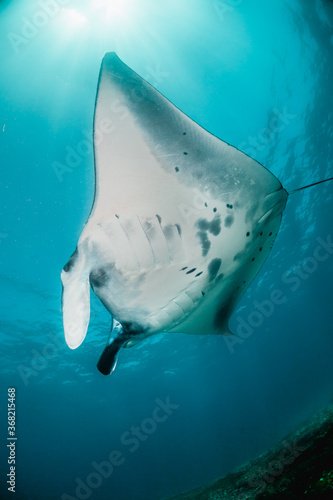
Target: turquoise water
{"x": 259, "y": 76}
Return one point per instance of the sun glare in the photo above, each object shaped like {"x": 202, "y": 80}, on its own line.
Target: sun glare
{"x": 74, "y": 17}
{"x": 112, "y": 9}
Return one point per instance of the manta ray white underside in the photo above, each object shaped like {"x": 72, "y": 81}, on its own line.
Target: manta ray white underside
{"x": 181, "y": 221}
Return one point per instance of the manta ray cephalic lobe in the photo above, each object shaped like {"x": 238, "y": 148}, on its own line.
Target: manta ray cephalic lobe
{"x": 180, "y": 225}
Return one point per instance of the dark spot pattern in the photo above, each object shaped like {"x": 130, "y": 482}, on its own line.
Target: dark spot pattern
{"x": 215, "y": 226}
{"x": 214, "y": 209}
{"x": 260, "y": 234}
{"x": 248, "y": 234}
{"x": 206, "y": 204}
{"x": 98, "y": 278}
{"x": 67, "y": 267}
{"x": 199, "y": 274}
{"x": 202, "y": 293}
{"x": 229, "y": 206}
{"x": 116, "y": 215}
{"x": 185, "y": 153}
{"x": 159, "y": 218}
{"x": 176, "y": 169}
{"x": 260, "y": 249}
{"x": 205, "y": 243}
{"x": 202, "y": 224}
{"x": 228, "y": 221}
{"x": 184, "y": 133}
{"x": 191, "y": 270}
{"x": 270, "y": 234}
{"x": 183, "y": 268}
{"x": 213, "y": 268}
{"x": 253, "y": 259}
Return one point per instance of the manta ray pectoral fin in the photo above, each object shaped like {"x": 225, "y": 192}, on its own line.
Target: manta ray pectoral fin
{"x": 75, "y": 300}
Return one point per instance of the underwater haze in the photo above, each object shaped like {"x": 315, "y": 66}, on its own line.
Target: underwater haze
{"x": 180, "y": 410}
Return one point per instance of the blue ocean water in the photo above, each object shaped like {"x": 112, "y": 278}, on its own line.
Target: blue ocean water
{"x": 179, "y": 411}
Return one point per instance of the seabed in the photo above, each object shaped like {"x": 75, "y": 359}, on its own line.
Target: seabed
{"x": 301, "y": 466}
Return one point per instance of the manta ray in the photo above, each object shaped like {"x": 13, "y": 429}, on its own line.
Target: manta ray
{"x": 180, "y": 225}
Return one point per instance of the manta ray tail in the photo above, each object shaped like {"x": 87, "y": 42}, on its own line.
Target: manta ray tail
{"x": 310, "y": 185}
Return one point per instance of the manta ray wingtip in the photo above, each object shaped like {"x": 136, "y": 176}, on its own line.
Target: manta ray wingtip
{"x": 110, "y": 57}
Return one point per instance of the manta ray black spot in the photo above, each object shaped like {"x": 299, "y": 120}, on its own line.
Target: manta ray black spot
{"x": 253, "y": 259}
{"x": 260, "y": 249}
{"x": 270, "y": 234}
{"x": 191, "y": 270}
{"x": 202, "y": 224}
{"x": 213, "y": 268}
{"x": 179, "y": 229}
{"x": 67, "y": 267}
{"x": 185, "y": 153}
{"x": 228, "y": 221}
{"x": 248, "y": 234}
{"x": 99, "y": 277}
{"x": 202, "y": 293}
{"x": 176, "y": 169}
{"x": 206, "y": 204}
{"x": 205, "y": 243}
{"x": 229, "y": 206}
{"x": 198, "y": 274}
{"x": 183, "y": 268}
{"x": 159, "y": 218}
{"x": 116, "y": 215}
{"x": 260, "y": 234}
{"x": 214, "y": 209}
{"x": 215, "y": 226}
